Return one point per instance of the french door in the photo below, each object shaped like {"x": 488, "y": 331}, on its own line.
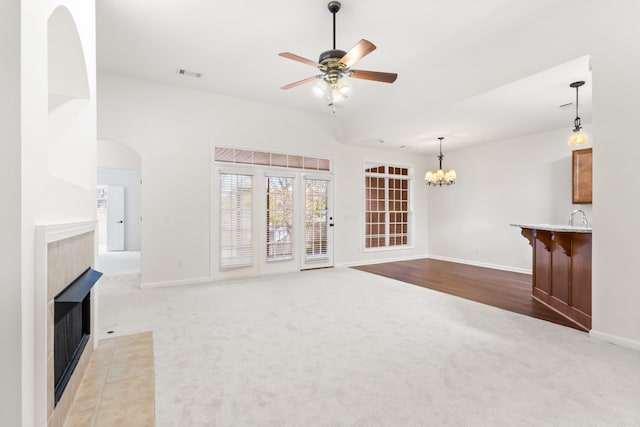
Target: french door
{"x": 317, "y": 217}
{"x": 273, "y": 221}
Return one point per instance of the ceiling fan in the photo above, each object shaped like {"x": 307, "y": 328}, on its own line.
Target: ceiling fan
{"x": 335, "y": 65}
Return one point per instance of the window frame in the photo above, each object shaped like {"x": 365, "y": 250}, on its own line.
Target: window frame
{"x": 387, "y": 224}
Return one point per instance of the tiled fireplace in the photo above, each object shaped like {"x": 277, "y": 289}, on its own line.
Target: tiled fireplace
{"x": 65, "y": 315}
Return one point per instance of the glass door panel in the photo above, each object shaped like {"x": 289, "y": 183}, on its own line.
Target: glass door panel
{"x": 318, "y": 224}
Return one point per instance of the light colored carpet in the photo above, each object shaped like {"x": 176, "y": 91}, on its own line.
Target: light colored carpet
{"x": 341, "y": 347}
{"x": 117, "y": 263}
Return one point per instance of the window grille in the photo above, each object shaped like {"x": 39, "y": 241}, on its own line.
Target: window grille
{"x": 387, "y": 206}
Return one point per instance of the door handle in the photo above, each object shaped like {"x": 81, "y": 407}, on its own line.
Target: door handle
{"x": 331, "y": 225}
{"x": 120, "y": 222}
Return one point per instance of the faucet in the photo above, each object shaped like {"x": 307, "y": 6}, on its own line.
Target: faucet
{"x": 583, "y": 223}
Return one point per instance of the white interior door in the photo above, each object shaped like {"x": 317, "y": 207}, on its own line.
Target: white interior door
{"x": 318, "y": 222}
{"x": 115, "y": 218}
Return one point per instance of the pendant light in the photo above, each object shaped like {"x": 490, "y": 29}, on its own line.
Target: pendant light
{"x": 577, "y": 137}
{"x": 440, "y": 177}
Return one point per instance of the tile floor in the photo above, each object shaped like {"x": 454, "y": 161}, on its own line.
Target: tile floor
{"x": 118, "y": 386}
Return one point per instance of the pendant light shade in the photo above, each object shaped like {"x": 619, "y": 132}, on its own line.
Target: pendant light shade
{"x": 577, "y": 137}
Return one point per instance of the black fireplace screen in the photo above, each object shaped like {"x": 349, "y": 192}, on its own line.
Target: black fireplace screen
{"x": 72, "y": 327}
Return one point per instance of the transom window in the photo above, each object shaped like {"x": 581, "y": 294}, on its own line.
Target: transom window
{"x": 387, "y": 206}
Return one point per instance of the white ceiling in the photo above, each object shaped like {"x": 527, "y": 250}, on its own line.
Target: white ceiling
{"x": 472, "y": 71}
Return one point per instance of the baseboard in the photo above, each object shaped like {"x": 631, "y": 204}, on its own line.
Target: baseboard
{"x": 180, "y": 282}
{"x": 379, "y": 261}
{"x": 482, "y": 264}
{"x": 614, "y": 339}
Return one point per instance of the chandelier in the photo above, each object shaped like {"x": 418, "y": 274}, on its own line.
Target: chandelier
{"x": 440, "y": 177}
{"x": 577, "y": 136}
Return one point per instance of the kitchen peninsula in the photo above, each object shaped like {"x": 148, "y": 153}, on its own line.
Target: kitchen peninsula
{"x": 562, "y": 269}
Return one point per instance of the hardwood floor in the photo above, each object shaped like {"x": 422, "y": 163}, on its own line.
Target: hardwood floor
{"x": 502, "y": 289}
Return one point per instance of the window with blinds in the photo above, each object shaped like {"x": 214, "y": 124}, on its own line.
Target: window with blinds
{"x": 236, "y": 234}
{"x": 279, "y": 218}
{"x": 387, "y": 207}
{"x": 316, "y": 219}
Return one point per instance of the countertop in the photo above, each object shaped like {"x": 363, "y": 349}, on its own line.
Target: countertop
{"x": 555, "y": 227}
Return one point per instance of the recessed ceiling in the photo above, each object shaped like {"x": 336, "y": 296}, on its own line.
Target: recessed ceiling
{"x": 471, "y": 71}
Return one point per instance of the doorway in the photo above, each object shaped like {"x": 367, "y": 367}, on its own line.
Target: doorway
{"x": 299, "y": 222}
{"x": 119, "y": 221}
{"x": 317, "y": 222}
{"x": 271, "y": 221}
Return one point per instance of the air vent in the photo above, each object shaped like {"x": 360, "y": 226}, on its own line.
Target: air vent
{"x": 189, "y": 73}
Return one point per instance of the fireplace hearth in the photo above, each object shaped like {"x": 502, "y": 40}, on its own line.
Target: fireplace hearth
{"x": 72, "y": 327}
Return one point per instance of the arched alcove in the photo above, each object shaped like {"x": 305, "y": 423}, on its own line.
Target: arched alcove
{"x": 71, "y": 117}
{"x": 67, "y": 66}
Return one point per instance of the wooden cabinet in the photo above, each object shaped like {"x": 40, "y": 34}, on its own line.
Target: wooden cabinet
{"x": 562, "y": 272}
{"x": 582, "y": 176}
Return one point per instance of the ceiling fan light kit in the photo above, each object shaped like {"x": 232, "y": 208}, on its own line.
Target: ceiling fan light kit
{"x": 335, "y": 66}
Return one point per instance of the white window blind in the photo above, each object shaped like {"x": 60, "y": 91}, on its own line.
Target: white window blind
{"x": 236, "y": 234}
{"x": 279, "y": 218}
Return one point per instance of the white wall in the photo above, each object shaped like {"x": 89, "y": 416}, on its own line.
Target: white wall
{"x": 175, "y": 129}
{"x": 10, "y": 213}
{"x": 114, "y": 155}
{"x": 71, "y": 122}
{"x": 33, "y": 182}
{"x": 71, "y": 118}
{"x": 521, "y": 180}
{"x": 616, "y": 292}
{"x": 43, "y": 198}
{"x": 130, "y": 180}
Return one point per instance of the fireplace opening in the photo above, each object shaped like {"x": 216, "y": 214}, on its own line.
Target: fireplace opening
{"x": 72, "y": 327}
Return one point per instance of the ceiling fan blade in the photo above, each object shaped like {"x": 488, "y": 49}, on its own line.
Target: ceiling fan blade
{"x": 295, "y": 57}
{"x": 359, "y": 51}
{"x": 301, "y": 82}
{"x": 373, "y": 75}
